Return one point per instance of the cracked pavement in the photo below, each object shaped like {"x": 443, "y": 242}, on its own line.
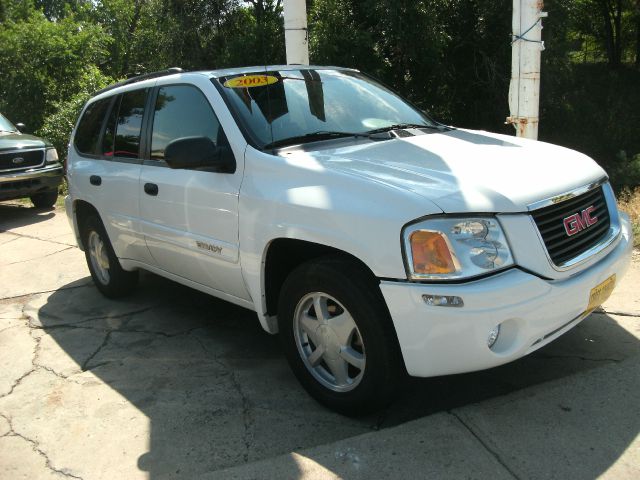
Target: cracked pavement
{"x": 172, "y": 383}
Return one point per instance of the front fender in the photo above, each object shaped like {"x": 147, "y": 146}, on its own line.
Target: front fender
{"x": 305, "y": 201}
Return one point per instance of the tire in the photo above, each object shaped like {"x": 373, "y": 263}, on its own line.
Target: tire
{"x": 107, "y": 274}
{"x": 45, "y": 199}
{"x": 350, "y": 363}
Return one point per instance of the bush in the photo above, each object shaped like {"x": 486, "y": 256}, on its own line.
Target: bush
{"x": 45, "y": 62}
{"x": 57, "y": 127}
{"x": 629, "y": 202}
{"x": 594, "y": 110}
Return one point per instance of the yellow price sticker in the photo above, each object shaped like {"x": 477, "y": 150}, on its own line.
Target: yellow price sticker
{"x": 250, "y": 81}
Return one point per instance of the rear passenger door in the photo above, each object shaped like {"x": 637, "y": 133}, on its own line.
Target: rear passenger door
{"x": 108, "y": 142}
{"x": 122, "y": 145}
{"x": 190, "y": 216}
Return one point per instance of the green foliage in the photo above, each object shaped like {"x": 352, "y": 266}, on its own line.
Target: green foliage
{"x": 595, "y": 109}
{"x": 44, "y": 62}
{"x": 149, "y": 35}
{"x": 451, "y": 57}
{"x": 57, "y": 127}
{"x": 625, "y": 170}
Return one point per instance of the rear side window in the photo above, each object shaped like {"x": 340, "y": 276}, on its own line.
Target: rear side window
{"x": 128, "y": 125}
{"x": 88, "y": 130}
{"x": 182, "y": 111}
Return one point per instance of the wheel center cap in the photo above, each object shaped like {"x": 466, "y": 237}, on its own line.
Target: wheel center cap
{"x": 329, "y": 341}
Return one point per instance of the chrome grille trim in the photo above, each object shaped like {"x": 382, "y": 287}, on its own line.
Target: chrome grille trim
{"x": 576, "y": 192}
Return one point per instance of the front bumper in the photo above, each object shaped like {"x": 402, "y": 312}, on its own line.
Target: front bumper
{"x": 532, "y": 312}
{"x": 24, "y": 184}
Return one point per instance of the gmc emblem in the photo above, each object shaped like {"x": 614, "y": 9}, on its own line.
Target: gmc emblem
{"x": 579, "y": 221}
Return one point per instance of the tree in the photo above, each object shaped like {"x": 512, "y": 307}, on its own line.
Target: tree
{"x": 58, "y": 125}
{"x": 609, "y": 23}
{"x": 44, "y": 62}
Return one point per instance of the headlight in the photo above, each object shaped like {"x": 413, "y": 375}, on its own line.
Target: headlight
{"x": 453, "y": 248}
{"x": 51, "y": 155}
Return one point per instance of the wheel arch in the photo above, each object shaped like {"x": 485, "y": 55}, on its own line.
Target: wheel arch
{"x": 282, "y": 256}
{"x": 81, "y": 211}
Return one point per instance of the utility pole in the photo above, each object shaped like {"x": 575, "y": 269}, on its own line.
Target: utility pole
{"x": 296, "y": 36}
{"x": 526, "y": 45}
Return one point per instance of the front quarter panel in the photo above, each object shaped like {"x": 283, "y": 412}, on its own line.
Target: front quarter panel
{"x": 301, "y": 199}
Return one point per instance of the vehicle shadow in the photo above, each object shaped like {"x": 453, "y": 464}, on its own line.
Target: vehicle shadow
{"x": 15, "y": 215}
{"x": 218, "y": 392}
{"x": 215, "y": 387}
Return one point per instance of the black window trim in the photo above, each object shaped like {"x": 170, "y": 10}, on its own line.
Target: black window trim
{"x": 140, "y": 159}
{"x": 148, "y": 131}
{"x": 89, "y": 103}
{"x": 116, "y": 98}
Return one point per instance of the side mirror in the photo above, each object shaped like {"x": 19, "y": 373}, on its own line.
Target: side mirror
{"x": 199, "y": 153}
{"x": 22, "y": 128}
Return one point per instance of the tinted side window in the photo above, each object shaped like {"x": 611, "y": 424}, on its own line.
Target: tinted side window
{"x": 127, "y": 142}
{"x": 89, "y": 127}
{"x": 182, "y": 111}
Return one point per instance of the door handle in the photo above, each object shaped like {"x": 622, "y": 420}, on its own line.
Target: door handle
{"x": 151, "y": 189}
{"x": 95, "y": 180}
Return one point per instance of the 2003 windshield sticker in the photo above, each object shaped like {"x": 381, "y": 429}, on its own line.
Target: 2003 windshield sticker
{"x": 250, "y": 81}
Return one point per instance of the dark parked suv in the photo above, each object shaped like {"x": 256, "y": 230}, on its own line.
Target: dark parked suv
{"x": 29, "y": 167}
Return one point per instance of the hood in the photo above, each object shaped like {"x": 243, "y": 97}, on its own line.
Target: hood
{"x": 463, "y": 170}
{"x": 12, "y": 140}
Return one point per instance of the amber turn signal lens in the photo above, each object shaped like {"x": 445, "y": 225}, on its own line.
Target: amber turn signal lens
{"x": 430, "y": 253}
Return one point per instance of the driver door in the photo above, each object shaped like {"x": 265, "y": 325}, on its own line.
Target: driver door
{"x": 189, "y": 217}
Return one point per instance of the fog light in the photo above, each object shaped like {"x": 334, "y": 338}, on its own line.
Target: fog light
{"x": 443, "y": 301}
{"x": 494, "y": 333}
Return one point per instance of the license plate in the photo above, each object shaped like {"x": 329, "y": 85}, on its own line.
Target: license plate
{"x": 600, "y": 293}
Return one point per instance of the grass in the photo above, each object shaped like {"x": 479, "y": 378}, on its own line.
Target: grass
{"x": 629, "y": 202}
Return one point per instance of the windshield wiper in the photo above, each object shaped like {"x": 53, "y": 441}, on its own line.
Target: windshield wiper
{"x": 327, "y": 134}
{"x": 402, "y": 126}
{"x": 314, "y": 136}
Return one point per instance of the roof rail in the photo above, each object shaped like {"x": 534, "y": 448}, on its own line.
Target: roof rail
{"x": 139, "y": 78}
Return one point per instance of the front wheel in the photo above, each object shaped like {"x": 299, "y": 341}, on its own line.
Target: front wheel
{"x": 337, "y": 335}
{"x": 44, "y": 199}
{"x": 107, "y": 274}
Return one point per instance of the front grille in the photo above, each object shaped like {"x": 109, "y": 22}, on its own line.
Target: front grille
{"x": 550, "y": 221}
{"x": 21, "y": 160}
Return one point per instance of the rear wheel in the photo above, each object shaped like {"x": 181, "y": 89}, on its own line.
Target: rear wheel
{"x": 44, "y": 199}
{"x": 337, "y": 335}
{"x": 104, "y": 266}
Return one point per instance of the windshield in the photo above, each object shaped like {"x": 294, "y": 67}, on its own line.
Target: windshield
{"x": 6, "y": 125}
{"x": 288, "y": 104}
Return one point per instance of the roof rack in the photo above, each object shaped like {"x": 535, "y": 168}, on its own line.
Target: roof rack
{"x": 139, "y": 78}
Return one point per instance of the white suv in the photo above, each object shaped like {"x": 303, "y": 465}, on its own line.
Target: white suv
{"x": 373, "y": 239}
